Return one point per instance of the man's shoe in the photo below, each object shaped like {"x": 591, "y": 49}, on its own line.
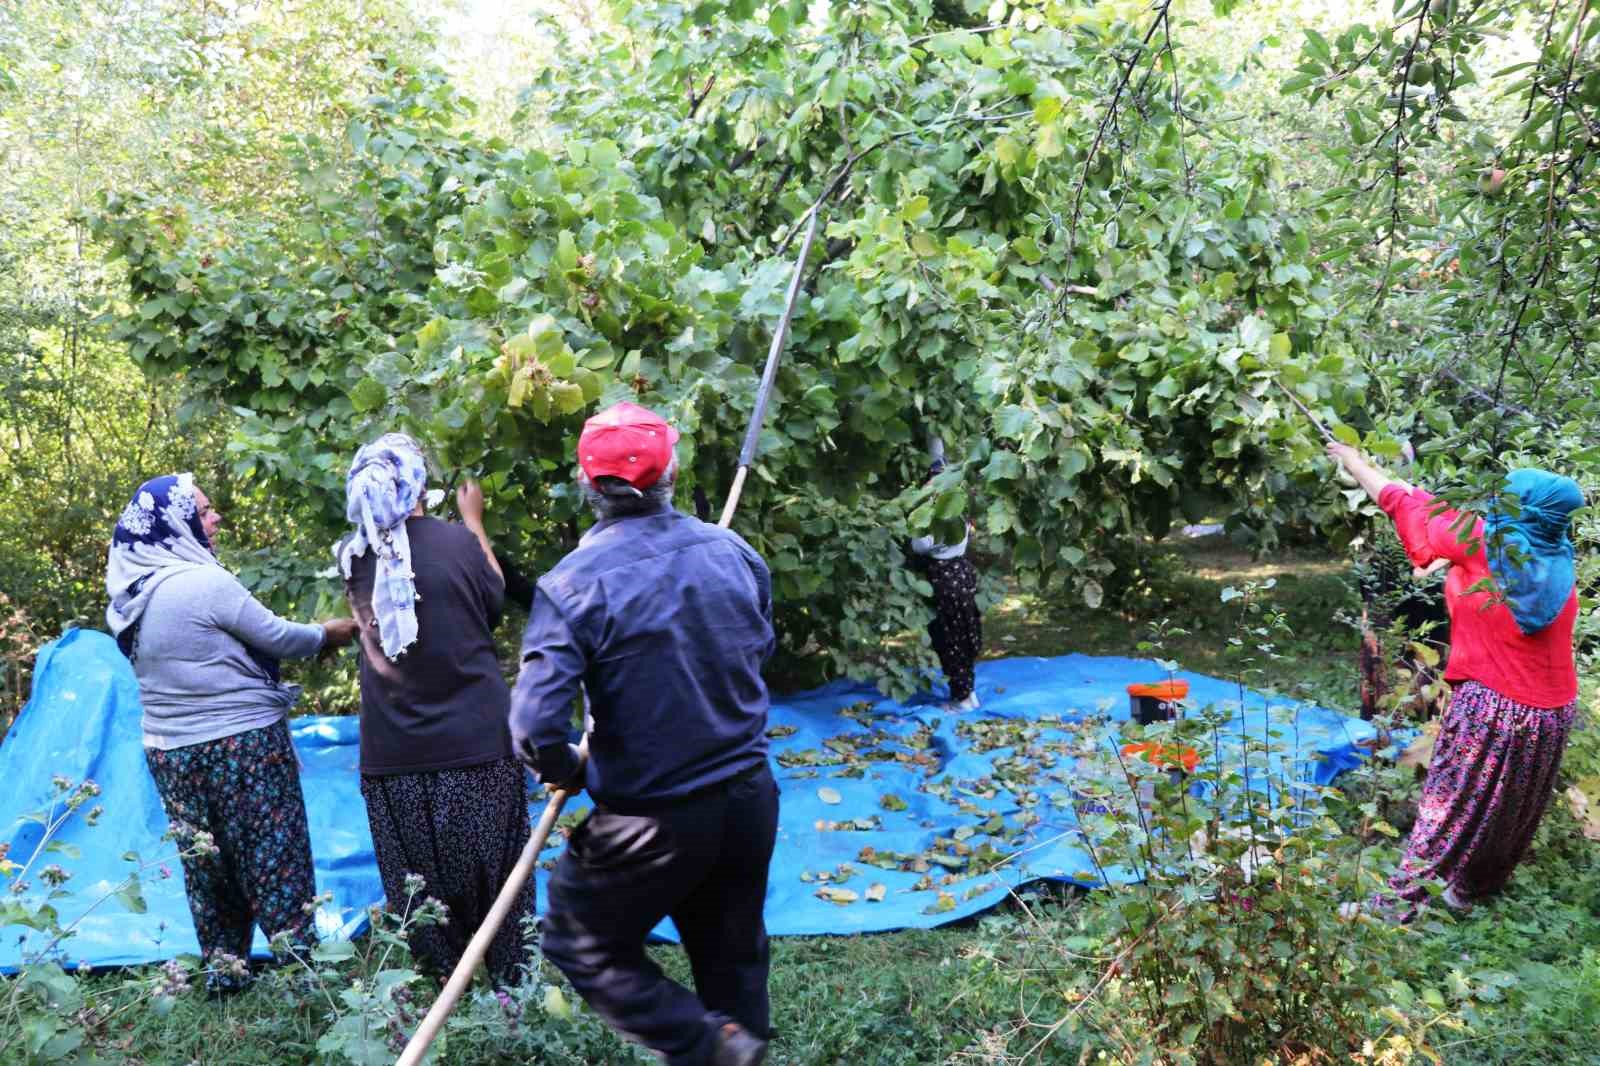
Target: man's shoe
{"x": 736, "y": 1047}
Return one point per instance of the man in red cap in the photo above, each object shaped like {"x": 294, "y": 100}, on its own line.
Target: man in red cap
{"x": 665, "y": 622}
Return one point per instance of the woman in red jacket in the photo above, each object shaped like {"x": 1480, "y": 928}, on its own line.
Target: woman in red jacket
{"x": 1511, "y": 594}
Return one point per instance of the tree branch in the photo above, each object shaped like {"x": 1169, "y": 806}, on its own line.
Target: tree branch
{"x": 1077, "y": 290}
{"x": 1177, "y": 103}
{"x": 1106, "y": 122}
{"x": 1499, "y": 404}
{"x": 1399, "y": 158}
{"x": 694, "y": 100}
{"x": 958, "y": 29}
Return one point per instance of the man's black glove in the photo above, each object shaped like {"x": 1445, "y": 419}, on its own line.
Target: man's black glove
{"x": 557, "y": 766}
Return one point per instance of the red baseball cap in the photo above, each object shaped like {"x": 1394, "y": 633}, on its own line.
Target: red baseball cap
{"x": 627, "y": 441}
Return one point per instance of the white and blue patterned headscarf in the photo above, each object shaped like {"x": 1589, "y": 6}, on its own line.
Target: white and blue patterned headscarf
{"x": 382, "y": 489}
{"x": 159, "y": 534}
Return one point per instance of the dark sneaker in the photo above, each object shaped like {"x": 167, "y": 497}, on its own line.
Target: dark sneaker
{"x": 736, "y": 1047}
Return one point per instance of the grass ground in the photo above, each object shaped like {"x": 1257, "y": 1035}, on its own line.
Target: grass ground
{"x": 1182, "y": 584}
{"x": 912, "y": 998}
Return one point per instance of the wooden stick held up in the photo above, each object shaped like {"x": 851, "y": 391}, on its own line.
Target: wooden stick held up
{"x": 747, "y": 453}
{"x": 1315, "y": 421}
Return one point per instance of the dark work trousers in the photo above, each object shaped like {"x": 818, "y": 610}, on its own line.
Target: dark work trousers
{"x": 957, "y": 626}
{"x": 461, "y": 831}
{"x": 701, "y": 861}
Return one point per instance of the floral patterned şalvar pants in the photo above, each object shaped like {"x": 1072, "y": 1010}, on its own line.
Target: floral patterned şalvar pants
{"x": 245, "y": 791}
{"x": 462, "y": 831}
{"x": 1493, "y": 769}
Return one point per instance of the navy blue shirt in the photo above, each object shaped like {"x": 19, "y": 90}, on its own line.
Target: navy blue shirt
{"x": 666, "y": 622}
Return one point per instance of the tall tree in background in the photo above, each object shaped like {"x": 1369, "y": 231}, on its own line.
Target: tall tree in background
{"x": 1464, "y": 231}
{"x": 1042, "y": 242}
{"x": 96, "y": 95}
{"x": 1468, "y": 214}
{"x": 1051, "y": 236}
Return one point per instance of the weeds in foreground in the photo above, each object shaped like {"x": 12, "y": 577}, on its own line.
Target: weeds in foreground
{"x": 45, "y": 1015}
{"x": 1513, "y": 984}
{"x": 354, "y": 1001}
{"x": 1217, "y": 938}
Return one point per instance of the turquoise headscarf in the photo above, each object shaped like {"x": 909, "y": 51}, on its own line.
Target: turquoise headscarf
{"x": 1538, "y": 582}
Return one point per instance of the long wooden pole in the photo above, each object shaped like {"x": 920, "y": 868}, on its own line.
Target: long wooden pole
{"x": 747, "y": 453}
{"x": 1315, "y": 421}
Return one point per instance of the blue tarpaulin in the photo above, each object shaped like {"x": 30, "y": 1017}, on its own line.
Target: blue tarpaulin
{"x": 82, "y": 721}
{"x": 893, "y": 815}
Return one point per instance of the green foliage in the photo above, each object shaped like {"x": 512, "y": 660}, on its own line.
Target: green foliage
{"x": 991, "y": 989}
{"x": 1098, "y": 371}
{"x": 884, "y": 1000}
{"x": 19, "y": 637}
{"x": 1062, "y": 238}
{"x": 362, "y": 994}
{"x": 1229, "y": 946}
{"x": 375, "y": 999}
{"x": 156, "y": 94}
{"x": 1462, "y": 229}
{"x": 45, "y": 1014}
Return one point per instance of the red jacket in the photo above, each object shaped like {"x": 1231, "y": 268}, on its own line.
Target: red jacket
{"x": 1485, "y": 644}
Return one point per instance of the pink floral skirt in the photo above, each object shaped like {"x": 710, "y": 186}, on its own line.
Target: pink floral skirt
{"x": 1493, "y": 770}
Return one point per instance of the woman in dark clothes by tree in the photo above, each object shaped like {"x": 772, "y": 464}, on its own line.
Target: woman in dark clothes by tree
{"x": 446, "y": 800}
{"x": 957, "y": 627}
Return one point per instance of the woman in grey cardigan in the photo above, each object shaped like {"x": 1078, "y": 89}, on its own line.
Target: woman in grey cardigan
{"x": 206, "y": 655}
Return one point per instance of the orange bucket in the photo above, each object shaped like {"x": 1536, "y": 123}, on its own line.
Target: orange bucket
{"x": 1155, "y": 701}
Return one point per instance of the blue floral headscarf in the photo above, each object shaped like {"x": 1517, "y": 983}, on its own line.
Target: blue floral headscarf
{"x": 159, "y": 534}
{"x": 385, "y": 482}
{"x": 1530, "y": 554}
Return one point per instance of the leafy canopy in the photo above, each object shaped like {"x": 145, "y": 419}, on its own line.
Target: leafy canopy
{"x": 1043, "y": 245}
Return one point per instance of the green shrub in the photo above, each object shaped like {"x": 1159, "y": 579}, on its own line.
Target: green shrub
{"x": 46, "y": 1013}
{"x": 1217, "y": 938}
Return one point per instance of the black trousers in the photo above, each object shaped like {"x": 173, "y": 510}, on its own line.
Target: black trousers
{"x": 461, "y": 830}
{"x": 701, "y": 861}
{"x": 957, "y": 627}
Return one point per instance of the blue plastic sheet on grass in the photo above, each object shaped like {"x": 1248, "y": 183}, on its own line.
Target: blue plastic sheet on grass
{"x": 967, "y": 795}
{"x": 82, "y": 722}
{"x": 865, "y": 781}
